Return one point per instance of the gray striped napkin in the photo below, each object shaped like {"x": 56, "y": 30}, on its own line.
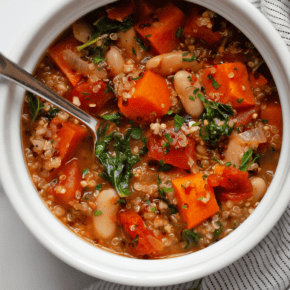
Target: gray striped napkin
{"x": 267, "y": 266}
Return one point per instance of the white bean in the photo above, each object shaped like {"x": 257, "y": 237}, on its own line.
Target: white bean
{"x": 184, "y": 90}
{"x": 170, "y": 63}
{"x": 115, "y": 60}
{"x": 235, "y": 150}
{"x": 105, "y": 224}
{"x": 82, "y": 31}
{"x": 259, "y": 188}
{"x": 127, "y": 40}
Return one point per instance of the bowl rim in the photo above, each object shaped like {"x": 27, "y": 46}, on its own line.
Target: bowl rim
{"x": 93, "y": 260}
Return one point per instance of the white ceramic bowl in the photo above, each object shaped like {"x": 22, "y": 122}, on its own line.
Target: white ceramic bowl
{"x": 92, "y": 260}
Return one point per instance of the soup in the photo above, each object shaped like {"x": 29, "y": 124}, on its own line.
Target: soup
{"x": 189, "y": 135}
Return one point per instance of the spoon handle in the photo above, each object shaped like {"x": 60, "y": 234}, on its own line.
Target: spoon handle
{"x": 14, "y": 73}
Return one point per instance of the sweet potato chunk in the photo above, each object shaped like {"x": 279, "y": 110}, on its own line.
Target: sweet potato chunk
{"x": 229, "y": 84}
{"x": 191, "y": 200}
{"x": 161, "y": 27}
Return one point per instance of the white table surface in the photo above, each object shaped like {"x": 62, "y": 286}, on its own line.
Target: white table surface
{"x": 24, "y": 263}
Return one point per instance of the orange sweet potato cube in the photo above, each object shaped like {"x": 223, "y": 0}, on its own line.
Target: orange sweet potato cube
{"x": 229, "y": 83}
{"x": 190, "y": 201}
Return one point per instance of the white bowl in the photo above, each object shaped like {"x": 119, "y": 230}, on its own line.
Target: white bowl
{"x": 102, "y": 264}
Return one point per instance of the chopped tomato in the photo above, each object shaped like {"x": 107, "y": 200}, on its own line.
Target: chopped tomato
{"x": 245, "y": 116}
{"x": 143, "y": 240}
{"x": 171, "y": 152}
{"x": 91, "y": 97}
{"x": 66, "y": 188}
{"x": 230, "y": 183}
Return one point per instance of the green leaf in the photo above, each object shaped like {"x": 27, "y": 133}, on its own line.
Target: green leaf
{"x": 189, "y": 59}
{"x": 245, "y": 162}
{"x": 214, "y": 121}
{"x": 106, "y": 26}
{"x": 240, "y": 100}
{"x": 170, "y": 112}
{"x": 136, "y": 133}
{"x": 117, "y": 167}
{"x": 168, "y": 137}
{"x": 228, "y": 164}
{"x": 98, "y": 186}
{"x": 98, "y": 59}
{"x": 34, "y": 105}
{"x": 121, "y": 200}
{"x": 164, "y": 167}
{"x": 97, "y": 212}
{"x": 85, "y": 171}
{"x": 179, "y": 32}
{"x": 216, "y": 160}
{"x": 191, "y": 238}
{"x": 178, "y": 122}
{"x": 265, "y": 121}
{"x": 135, "y": 79}
{"x": 214, "y": 83}
{"x": 141, "y": 43}
{"x": 153, "y": 209}
{"x": 134, "y": 51}
{"x": 217, "y": 232}
{"x": 115, "y": 117}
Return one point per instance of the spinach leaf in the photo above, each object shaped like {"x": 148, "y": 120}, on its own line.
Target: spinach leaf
{"x": 217, "y": 232}
{"x": 245, "y": 162}
{"x": 214, "y": 121}
{"x": 214, "y": 83}
{"x": 190, "y": 237}
{"x": 34, "y": 105}
{"x": 136, "y": 133}
{"x": 141, "y": 43}
{"x": 118, "y": 166}
{"x": 164, "y": 166}
{"x": 52, "y": 113}
{"x": 106, "y": 26}
{"x": 189, "y": 59}
{"x": 179, "y": 32}
{"x": 178, "y": 122}
{"x": 115, "y": 117}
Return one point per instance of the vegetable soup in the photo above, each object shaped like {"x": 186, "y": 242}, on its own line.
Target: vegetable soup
{"x": 189, "y": 135}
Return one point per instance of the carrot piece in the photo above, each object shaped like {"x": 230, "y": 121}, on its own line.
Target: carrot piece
{"x": 189, "y": 200}
{"x": 143, "y": 240}
{"x": 71, "y": 183}
{"x": 69, "y": 136}
{"x": 179, "y": 157}
{"x": 257, "y": 80}
{"x": 230, "y": 83}
{"x": 273, "y": 114}
{"x": 161, "y": 28}
{"x": 151, "y": 99}
{"x": 194, "y": 28}
{"x": 122, "y": 11}
{"x": 92, "y": 96}
{"x": 245, "y": 116}
{"x": 230, "y": 183}
{"x": 56, "y": 53}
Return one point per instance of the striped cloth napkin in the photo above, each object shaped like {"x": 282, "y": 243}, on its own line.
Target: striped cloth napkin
{"x": 267, "y": 266}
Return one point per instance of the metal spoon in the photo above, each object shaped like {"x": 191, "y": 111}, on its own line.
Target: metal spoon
{"x": 14, "y": 73}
